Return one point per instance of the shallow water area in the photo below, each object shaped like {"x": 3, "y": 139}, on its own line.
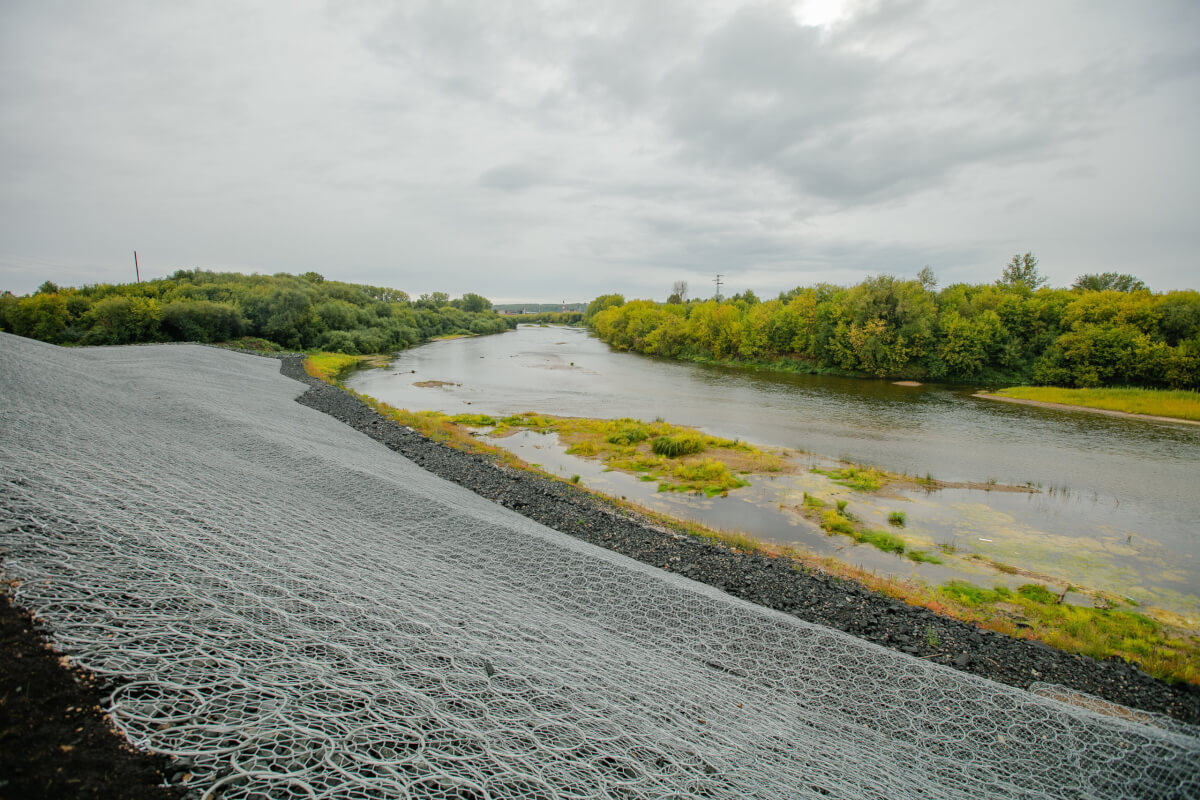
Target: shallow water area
{"x": 1115, "y": 508}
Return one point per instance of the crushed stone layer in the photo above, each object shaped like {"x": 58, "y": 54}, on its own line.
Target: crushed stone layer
{"x": 773, "y": 583}
{"x": 292, "y": 610}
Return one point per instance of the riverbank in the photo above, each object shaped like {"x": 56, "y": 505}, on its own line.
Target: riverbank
{"x": 779, "y": 583}
{"x": 1144, "y": 404}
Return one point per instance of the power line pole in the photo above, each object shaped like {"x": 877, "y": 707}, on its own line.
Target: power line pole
{"x": 137, "y": 272}
{"x": 717, "y": 281}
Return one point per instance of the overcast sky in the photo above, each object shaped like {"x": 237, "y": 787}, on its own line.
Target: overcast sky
{"x": 561, "y": 150}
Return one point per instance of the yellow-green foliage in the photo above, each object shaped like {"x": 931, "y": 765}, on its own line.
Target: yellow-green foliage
{"x": 657, "y": 451}
{"x": 474, "y": 420}
{"x": 834, "y": 522}
{"x": 329, "y": 367}
{"x": 676, "y": 446}
{"x": 811, "y": 501}
{"x": 856, "y": 478}
{"x": 887, "y": 542}
{"x": 709, "y": 476}
{"x": 888, "y": 326}
{"x": 1178, "y": 403}
{"x": 1094, "y": 632}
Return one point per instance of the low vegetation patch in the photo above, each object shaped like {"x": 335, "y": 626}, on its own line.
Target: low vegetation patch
{"x": 1178, "y": 403}
{"x": 1034, "y": 611}
{"x": 330, "y": 367}
{"x": 680, "y": 459}
{"x": 676, "y": 446}
{"x": 922, "y": 556}
{"x": 857, "y": 478}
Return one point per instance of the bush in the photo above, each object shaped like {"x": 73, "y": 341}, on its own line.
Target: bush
{"x": 338, "y": 342}
{"x": 628, "y": 434}
{"x": 676, "y": 446}
{"x": 201, "y": 321}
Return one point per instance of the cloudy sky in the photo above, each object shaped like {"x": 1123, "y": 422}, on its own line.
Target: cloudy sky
{"x": 548, "y": 150}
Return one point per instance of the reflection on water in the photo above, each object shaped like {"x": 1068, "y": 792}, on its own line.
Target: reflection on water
{"x": 1120, "y": 496}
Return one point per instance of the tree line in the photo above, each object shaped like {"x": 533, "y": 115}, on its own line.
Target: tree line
{"x": 294, "y": 312}
{"x": 1108, "y": 329}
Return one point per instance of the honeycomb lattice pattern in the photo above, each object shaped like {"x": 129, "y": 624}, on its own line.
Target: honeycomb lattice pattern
{"x": 302, "y": 613}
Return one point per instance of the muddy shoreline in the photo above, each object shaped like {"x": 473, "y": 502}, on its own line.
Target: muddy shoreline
{"x": 773, "y": 583}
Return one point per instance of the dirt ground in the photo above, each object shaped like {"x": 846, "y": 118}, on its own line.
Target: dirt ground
{"x": 55, "y": 742}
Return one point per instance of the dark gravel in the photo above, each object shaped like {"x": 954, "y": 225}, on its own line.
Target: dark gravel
{"x": 774, "y": 583}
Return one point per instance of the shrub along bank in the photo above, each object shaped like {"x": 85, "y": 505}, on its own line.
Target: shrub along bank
{"x": 1007, "y": 332}
{"x": 303, "y": 312}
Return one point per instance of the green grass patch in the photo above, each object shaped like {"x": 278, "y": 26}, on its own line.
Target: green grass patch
{"x": 1177, "y": 403}
{"x": 1096, "y": 632}
{"x": 654, "y": 451}
{"x": 897, "y": 518}
{"x": 475, "y": 420}
{"x": 833, "y": 522}
{"x": 330, "y": 367}
{"x": 629, "y": 434}
{"x": 676, "y": 446}
{"x": 856, "y": 478}
{"x": 922, "y": 556}
{"x": 1036, "y": 593}
{"x": 974, "y": 596}
{"x": 882, "y": 540}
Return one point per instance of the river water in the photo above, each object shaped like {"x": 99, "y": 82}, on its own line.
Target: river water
{"x": 1118, "y": 503}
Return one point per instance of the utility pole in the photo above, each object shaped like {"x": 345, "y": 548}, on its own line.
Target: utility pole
{"x": 717, "y": 281}
{"x": 137, "y": 272}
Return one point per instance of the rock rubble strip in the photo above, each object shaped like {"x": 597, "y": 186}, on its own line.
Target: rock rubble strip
{"x": 773, "y": 583}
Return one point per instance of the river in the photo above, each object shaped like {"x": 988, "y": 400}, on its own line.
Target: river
{"x": 1119, "y": 498}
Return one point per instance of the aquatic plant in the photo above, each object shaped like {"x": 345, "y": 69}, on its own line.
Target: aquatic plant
{"x": 921, "y": 556}
{"x": 897, "y": 518}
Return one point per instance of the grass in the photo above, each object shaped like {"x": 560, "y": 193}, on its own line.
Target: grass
{"x": 680, "y": 459}
{"x": 811, "y": 501}
{"x": 1177, "y": 403}
{"x": 856, "y": 478}
{"x": 676, "y": 446}
{"x": 1099, "y": 633}
{"x": 330, "y": 367}
{"x": 897, "y": 518}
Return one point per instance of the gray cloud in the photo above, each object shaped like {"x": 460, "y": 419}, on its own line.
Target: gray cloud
{"x": 542, "y": 150}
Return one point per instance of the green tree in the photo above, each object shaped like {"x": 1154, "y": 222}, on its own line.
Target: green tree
{"x": 40, "y": 316}
{"x": 474, "y": 302}
{"x": 1022, "y": 273}
{"x": 926, "y": 278}
{"x": 602, "y": 302}
{"x": 1108, "y": 281}
{"x": 201, "y": 321}
{"x": 122, "y": 320}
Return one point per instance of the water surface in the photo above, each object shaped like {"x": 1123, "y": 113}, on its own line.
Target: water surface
{"x": 1119, "y": 497}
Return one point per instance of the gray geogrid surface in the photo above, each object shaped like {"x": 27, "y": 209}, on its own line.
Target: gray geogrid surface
{"x": 297, "y": 611}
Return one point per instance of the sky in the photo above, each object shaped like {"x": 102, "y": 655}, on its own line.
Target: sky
{"x": 550, "y": 150}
